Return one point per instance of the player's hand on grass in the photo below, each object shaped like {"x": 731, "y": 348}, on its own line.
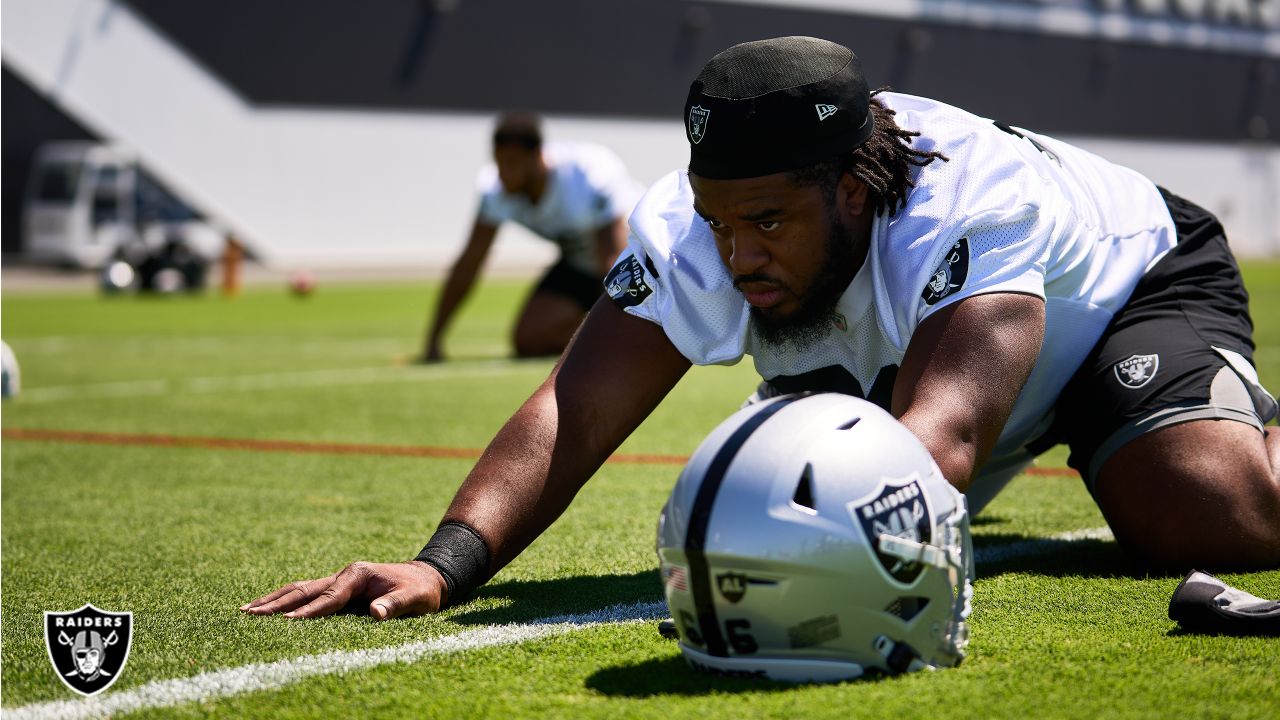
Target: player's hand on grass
{"x": 433, "y": 354}
{"x": 387, "y": 589}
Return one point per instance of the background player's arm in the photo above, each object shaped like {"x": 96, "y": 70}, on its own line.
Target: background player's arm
{"x": 462, "y": 277}
{"x": 613, "y": 374}
{"x": 962, "y": 373}
{"x": 611, "y": 240}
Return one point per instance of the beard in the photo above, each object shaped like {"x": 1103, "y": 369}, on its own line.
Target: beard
{"x": 811, "y": 323}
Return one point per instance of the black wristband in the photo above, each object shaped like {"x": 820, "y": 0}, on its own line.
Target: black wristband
{"x": 459, "y": 554}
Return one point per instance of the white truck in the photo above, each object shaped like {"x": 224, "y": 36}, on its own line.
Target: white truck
{"x": 90, "y": 203}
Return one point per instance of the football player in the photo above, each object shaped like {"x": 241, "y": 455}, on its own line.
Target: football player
{"x": 997, "y": 290}
{"x": 576, "y": 195}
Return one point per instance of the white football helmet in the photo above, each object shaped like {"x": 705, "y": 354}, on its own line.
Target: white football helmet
{"x": 812, "y": 538}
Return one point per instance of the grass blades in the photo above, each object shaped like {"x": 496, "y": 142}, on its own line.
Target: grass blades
{"x": 181, "y": 536}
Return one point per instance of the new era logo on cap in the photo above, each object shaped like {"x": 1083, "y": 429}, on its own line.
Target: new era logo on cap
{"x": 825, "y": 111}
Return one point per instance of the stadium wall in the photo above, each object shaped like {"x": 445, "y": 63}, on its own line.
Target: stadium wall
{"x": 329, "y": 137}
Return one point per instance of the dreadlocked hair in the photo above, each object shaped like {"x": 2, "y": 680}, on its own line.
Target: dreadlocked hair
{"x": 883, "y": 163}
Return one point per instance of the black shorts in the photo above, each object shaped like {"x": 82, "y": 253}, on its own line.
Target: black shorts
{"x": 568, "y": 281}
{"x": 1180, "y": 349}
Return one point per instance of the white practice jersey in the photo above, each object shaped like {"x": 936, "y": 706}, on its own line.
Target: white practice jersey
{"x": 588, "y": 188}
{"x": 1007, "y": 213}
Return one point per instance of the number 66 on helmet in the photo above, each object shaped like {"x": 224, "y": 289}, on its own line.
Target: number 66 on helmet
{"x": 812, "y": 538}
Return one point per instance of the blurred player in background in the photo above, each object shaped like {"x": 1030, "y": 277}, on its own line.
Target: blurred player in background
{"x": 576, "y": 195}
{"x": 997, "y": 290}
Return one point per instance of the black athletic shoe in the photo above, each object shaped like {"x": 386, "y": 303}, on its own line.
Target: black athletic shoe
{"x": 1204, "y": 604}
{"x": 667, "y": 629}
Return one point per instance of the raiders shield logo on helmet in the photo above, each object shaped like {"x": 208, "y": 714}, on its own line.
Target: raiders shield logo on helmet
{"x": 899, "y": 508}
{"x": 88, "y": 647}
{"x": 698, "y": 117}
{"x": 1137, "y": 370}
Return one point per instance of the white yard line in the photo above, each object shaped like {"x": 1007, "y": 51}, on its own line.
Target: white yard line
{"x": 270, "y": 676}
{"x": 1040, "y": 546}
{"x": 269, "y": 381}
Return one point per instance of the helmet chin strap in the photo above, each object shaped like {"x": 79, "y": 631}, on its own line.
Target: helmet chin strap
{"x": 899, "y": 656}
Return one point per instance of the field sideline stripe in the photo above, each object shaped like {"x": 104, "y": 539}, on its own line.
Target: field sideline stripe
{"x": 270, "y": 676}
{"x": 305, "y": 446}
{"x": 294, "y": 446}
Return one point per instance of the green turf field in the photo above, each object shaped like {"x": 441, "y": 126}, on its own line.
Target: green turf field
{"x": 182, "y": 534}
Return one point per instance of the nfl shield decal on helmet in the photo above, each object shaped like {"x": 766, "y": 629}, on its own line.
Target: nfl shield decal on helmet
{"x": 698, "y": 117}
{"x": 950, "y": 273}
{"x": 1137, "y": 370}
{"x": 899, "y": 508}
{"x": 88, "y": 647}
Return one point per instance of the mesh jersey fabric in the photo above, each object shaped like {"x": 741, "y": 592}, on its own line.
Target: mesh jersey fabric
{"x": 588, "y": 187}
{"x": 1061, "y": 224}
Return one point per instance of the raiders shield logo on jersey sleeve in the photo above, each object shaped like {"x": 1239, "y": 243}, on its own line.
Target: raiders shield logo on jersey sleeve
{"x": 950, "y": 275}
{"x": 626, "y": 284}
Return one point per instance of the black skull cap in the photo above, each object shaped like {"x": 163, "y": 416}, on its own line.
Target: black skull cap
{"x": 775, "y": 105}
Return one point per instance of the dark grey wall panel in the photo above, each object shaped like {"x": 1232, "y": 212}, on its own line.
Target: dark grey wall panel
{"x": 636, "y": 58}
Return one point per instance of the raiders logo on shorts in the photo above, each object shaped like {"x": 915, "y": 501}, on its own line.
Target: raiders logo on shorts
{"x": 1137, "y": 370}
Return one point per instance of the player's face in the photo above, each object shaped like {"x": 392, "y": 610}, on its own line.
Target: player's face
{"x": 517, "y": 167}
{"x": 791, "y": 250}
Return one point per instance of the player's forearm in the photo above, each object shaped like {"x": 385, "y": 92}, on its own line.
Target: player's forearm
{"x": 956, "y": 452}
{"x": 527, "y": 477}
{"x": 614, "y": 373}
{"x": 461, "y": 279}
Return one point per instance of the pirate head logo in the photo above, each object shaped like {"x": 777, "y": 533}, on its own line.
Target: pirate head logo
{"x": 1137, "y": 370}
{"x": 88, "y": 647}
{"x": 899, "y": 508}
{"x": 950, "y": 274}
{"x": 698, "y": 117}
